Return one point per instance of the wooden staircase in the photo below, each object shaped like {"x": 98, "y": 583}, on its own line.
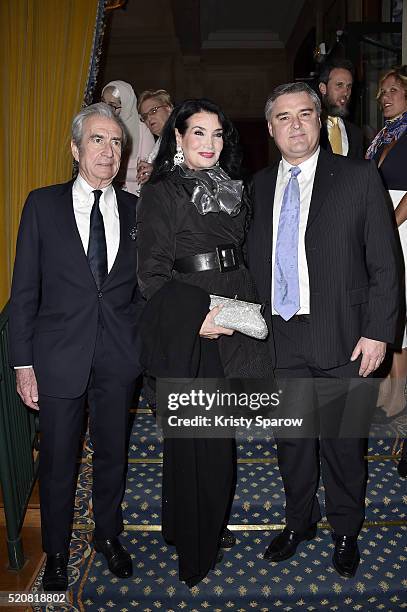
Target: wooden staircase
{"x": 11, "y": 580}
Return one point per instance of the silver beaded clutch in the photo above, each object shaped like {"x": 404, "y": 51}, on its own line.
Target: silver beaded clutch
{"x": 244, "y": 317}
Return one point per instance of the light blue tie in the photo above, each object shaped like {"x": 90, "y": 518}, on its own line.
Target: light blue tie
{"x": 286, "y": 282}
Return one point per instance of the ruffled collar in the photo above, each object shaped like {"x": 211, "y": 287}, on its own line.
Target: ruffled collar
{"x": 214, "y": 191}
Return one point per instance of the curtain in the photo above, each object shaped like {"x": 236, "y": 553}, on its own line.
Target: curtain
{"x": 45, "y": 62}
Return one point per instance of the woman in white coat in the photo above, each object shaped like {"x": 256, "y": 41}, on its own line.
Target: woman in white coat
{"x": 121, "y": 97}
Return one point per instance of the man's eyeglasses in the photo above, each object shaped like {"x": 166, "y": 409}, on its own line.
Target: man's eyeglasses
{"x": 152, "y": 111}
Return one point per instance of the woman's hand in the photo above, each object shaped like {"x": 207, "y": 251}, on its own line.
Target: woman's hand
{"x": 144, "y": 170}
{"x": 210, "y": 330}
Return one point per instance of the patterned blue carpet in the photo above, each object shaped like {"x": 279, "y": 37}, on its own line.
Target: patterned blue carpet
{"x": 243, "y": 581}
{"x": 259, "y": 495}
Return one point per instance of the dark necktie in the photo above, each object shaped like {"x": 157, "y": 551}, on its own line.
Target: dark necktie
{"x": 97, "y": 251}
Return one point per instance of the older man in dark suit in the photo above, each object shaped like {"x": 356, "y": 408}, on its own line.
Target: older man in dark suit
{"x": 325, "y": 257}
{"x": 73, "y": 325}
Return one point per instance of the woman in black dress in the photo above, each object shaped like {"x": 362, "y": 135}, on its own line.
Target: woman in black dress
{"x": 191, "y": 224}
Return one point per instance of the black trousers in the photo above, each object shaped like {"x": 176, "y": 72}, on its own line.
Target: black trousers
{"x": 61, "y": 423}
{"x": 325, "y": 447}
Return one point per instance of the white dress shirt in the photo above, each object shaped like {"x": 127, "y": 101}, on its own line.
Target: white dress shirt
{"x": 306, "y": 183}
{"x": 83, "y": 200}
{"x": 344, "y": 136}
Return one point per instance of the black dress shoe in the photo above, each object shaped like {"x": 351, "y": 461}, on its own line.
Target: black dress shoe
{"x": 402, "y": 467}
{"x": 227, "y": 539}
{"x": 117, "y": 557}
{"x": 285, "y": 544}
{"x": 55, "y": 576}
{"x": 346, "y": 555}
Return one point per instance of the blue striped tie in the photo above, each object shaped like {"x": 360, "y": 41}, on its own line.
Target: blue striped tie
{"x": 286, "y": 280}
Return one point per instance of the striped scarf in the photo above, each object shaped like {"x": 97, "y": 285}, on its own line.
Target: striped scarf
{"x": 392, "y": 130}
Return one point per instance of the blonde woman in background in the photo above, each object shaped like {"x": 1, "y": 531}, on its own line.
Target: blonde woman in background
{"x": 389, "y": 151}
{"x": 154, "y": 106}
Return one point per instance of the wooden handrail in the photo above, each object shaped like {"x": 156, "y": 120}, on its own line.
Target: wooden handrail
{"x": 18, "y": 468}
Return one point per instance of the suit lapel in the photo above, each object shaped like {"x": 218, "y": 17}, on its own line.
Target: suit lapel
{"x": 323, "y": 182}
{"x": 125, "y": 238}
{"x": 66, "y": 225}
{"x": 324, "y": 140}
{"x": 263, "y": 239}
{"x": 267, "y": 207}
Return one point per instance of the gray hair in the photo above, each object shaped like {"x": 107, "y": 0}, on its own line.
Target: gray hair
{"x": 101, "y": 109}
{"x": 289, "y": 88}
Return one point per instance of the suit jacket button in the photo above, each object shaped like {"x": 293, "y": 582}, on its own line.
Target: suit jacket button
{"x": 100, "y": 294}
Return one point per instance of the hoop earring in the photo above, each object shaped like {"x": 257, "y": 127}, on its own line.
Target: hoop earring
{"x": 179, "y": 156}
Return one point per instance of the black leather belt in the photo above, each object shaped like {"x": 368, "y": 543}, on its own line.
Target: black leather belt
{"x": 226, "y": 257}
{"x": 305, "y": 318}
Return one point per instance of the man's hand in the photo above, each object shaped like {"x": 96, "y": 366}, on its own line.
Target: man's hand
{"x": 27, "y": 387}
{"x": 210, "y": 330}
{"x": 372, "y": 351}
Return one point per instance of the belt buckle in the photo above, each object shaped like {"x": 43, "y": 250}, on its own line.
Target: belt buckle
{"x": 221, "y": 255}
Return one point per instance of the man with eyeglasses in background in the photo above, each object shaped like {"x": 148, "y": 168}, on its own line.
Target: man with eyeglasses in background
{"x": 338, "y": 135}
{"x": 154, "y": 107}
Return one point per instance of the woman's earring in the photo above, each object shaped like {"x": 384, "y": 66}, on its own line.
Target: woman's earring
{"x": 179, "y": 156}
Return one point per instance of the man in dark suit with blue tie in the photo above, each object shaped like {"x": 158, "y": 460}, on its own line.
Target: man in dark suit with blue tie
{"x": 73, "y": 335}
{"x": 326, "y": 260}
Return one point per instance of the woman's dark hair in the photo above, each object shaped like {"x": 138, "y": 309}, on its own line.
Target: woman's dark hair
{"x": 230, "y": 157}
